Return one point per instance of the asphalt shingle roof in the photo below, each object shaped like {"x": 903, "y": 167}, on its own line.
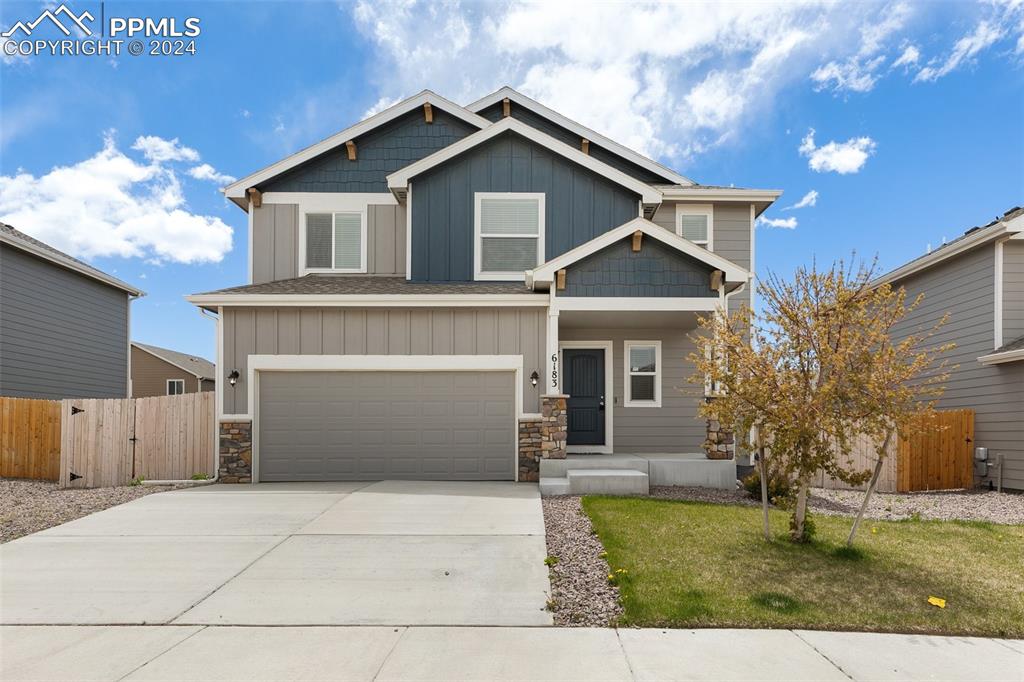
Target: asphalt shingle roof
{"x": 371, "y": 286}
{"x": 192, "y": 363}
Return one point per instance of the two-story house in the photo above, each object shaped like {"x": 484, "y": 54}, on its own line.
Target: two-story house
{"x": 977, "y": 280}
{"x": 449, "y": 292}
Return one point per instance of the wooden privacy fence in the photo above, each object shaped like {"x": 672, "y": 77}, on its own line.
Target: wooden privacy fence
{"x": 934, "y": 454}
{"x": 106, "y": 442}
{"x": 30, "y": 438}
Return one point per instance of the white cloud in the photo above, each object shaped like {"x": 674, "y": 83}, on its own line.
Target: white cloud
{"x": 113, "y": 205}
{"x": 985, "y": 34}
{"x": 859, "y": 72}
{"x": 158, "y": 149}
{"x": 809, "y": 199}
{"x": 205, "y": 171}
{"x": 838, "y": 157}
{"x": 783, "y": 223}
{"x": 910, "y": 56}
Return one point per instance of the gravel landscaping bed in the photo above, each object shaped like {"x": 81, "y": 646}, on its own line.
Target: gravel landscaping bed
{"x": 30, "y": 506}
{"x": 964, "y": 505}
{"x": 581, "y": 594}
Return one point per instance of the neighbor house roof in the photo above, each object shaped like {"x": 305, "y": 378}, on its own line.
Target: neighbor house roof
{"x": 236, "y": 191}
{"x": 1011, "y": 223}
{"x": 368, "y": 290}
{"x": 399, "y": 180}
{"x": 193, "y": 364}
{"x": 20, "y": 240}
{"x": 581, "y": 130}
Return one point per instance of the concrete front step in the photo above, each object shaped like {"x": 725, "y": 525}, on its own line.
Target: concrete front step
{"x": 551, "y": 485}
{"x": 557, "y": 468}
{"x": 608, "y": 482}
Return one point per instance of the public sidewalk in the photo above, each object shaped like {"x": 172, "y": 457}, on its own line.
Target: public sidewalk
{"x": 186, "y": 652}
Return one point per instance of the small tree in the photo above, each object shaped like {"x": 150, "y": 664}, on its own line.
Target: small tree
{"x": 815, "y": 371}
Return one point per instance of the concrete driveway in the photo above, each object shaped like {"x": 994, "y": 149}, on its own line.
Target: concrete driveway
{"x": 389, "y": 553}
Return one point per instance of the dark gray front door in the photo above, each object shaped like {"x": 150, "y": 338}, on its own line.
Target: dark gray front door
{"x": 370, "y": 426}
{"x": 583, "y": 380}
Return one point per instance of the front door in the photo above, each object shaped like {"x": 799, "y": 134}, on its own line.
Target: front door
{"x": 583, "y": 381}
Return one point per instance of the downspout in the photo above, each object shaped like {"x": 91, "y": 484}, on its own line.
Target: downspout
{"x": 217, "y": 393}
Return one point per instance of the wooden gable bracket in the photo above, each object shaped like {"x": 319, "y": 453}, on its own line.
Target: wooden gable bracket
{"x": 255, "y": 196}
{"x": 638, "y": 237}
{"x": 428, "y": 112}
{"x": 506, "y": 107}
{"x": 585, "y": 146}
{"x": 351, "y": 147}
{"x": 560, "y": 279}
{"x": 717, "y": 280}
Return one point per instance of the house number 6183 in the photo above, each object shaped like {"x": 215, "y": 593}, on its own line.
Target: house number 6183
{"x": 554, "y": 370}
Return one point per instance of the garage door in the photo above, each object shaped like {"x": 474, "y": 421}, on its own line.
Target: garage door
{"x": 368, "y": 426}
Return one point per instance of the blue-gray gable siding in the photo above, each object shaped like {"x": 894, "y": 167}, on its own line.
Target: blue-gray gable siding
{"x": 579, "y": 204}
{"x": 382, "y": 151}
{"x": 62, "y": 335}
{"x": 535, "y": 120}
{"x": 656, "y": 270}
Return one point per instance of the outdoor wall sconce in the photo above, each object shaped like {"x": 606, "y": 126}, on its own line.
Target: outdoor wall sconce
{"x": 534, "y": 378}
{"x": 233, "y": 377}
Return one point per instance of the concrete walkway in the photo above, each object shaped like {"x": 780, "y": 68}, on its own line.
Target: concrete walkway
{"x": 390, "y": 553}
{"x": 442, "y": 653}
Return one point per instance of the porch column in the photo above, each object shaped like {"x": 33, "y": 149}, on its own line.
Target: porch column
{"x": 552, "y": 380}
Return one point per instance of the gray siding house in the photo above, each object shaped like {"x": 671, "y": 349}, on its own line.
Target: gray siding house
{"x": 462, "y": 292}
{"x": 63, "y": 324}
{"x": 978, "y": 279}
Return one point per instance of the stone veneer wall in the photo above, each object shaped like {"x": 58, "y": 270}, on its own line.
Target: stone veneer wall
{"x": 235, "y": 452}
{"x": 720, "y": 443}
{"x": 542, "y": 437}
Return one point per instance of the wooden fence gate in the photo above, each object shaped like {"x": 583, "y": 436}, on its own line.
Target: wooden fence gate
{"x": 937, "y": 454}
{"x": 109, "y": 442}
{"x": 30, "y": 438}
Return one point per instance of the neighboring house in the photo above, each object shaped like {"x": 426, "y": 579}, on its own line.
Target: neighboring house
{"x": 63, "y": 324}
{"x": 978, "y": 279}
{"x": 161, "y": 371}
{"x": 424, "y": 284}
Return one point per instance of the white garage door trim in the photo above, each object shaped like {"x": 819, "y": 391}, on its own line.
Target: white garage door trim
{"x": 378, "y": 363}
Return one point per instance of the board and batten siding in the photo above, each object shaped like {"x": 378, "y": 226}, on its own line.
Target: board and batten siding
{"x": 150, "y": 375}
{"x": 579, "y": 204}
{"x": 275, "y": 241}
{"x": 381, "y": 331}
{"x": 1013, "y": 290}
{"x": 964, "y": 287}
{"x": 672, "y": 428}
{"x": 62, "y": 335}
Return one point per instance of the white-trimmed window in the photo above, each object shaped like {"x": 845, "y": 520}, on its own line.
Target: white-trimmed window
{"x": 333, "y": 241}
{"x": 175, "y": 386}
{"x": 509, "y": 234}
{"x": 696, "y": 222}
{"x": 642, "y": 360}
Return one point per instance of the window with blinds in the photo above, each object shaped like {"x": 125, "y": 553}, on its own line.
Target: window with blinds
{"x": 643, "y": 373}
{"x": 694, "y": 222}
{"x": 334, "y": 241}
{"x": 510, "y": 229}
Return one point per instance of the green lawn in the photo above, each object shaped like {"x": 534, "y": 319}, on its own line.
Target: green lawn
{"x": 691, "y": 564}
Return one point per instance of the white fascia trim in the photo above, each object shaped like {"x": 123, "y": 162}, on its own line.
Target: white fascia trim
{"x": 408, "y": 234}
{"x": 69, "y": 263}
{"x": 658, "y": 374}
{"x": 347, "y": 200}
{"x": 546, "y": 272}
{"x": 368, "y": 301}
{"x": 707, "y": 210}
{"x": 997, "y": 358}
{"x": 950, "y": 250}
{"x": 998, "y": 297}
{"x": 728, "y": 194}
{"x": 609, "y": 392}
{"x": 478, "y": 197}
{"x": 578, "y": 128}
{"x": 400, "y": 178}
{"x": 636, "y": 304}
{"x": 237, "y": 189}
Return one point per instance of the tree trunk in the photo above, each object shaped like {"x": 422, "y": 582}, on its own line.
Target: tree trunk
{"x": 800, "y": 513}
{"x": 871, "y": 488}
{"x": 764, "y": 493}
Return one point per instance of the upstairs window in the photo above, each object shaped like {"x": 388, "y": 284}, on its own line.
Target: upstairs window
{"x": 696, "y": 223}
{"x": 643, "y": 373}
{"x": 335, "y": 242}
{"x": 509, "y": 234}
{"x": 175, "y": 386}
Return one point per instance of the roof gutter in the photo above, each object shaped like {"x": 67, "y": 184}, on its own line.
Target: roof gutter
{"x": 367, "y": 301}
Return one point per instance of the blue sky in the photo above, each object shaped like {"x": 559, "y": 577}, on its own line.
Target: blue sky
{"x": 917, "y": 112}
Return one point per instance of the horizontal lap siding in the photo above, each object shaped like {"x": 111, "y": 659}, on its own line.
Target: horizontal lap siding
{"x": 579, "y": 204}
{"x": 964, "y": 287}
{"x": 1013, "y": 290}
{"x": 381, "y": 331}
{"x": 62, "y": 335}
{"x": 150, "y": 375}
{"x": 674, "y": 427}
